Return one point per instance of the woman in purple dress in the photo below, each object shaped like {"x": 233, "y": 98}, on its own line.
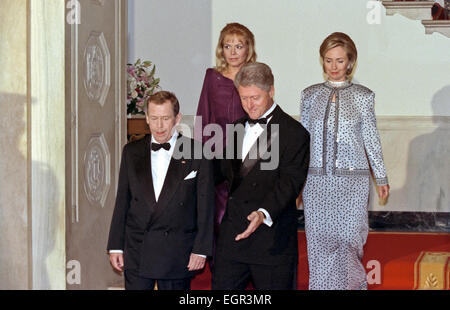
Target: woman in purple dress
{"x": 219, "y": 101}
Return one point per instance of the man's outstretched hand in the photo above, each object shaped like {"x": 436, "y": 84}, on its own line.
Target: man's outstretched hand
{"x": 256, "y": 218}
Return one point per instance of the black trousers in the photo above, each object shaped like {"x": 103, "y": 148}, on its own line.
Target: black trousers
{"x": 233, "y": 275}
{"x": 135, "y": 282}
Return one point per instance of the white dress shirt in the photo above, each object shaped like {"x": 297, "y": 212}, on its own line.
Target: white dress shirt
{"x": 251, "y": 135}
{"x": 160, "y": 163}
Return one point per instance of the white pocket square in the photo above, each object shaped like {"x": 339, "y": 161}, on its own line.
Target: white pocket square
{"x": 191, "y": 175}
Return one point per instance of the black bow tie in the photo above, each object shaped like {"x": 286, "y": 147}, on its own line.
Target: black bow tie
{"x": 156, "y": 146}
{"x": 261, "y": 121}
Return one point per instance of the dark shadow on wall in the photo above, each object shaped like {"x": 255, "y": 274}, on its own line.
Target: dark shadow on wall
{"x": 429, "y": 162}
{"x": 46, "y": 218}
{"x": 13, "y": 200}
{"x": 427, "y": 186}
{"x": 20, "y": 227}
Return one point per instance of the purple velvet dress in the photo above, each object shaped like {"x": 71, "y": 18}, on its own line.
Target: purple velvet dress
{"x": 220, "y": 104}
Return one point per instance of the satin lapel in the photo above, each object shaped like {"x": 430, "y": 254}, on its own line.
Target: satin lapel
{"x": 144, "y": 173}
{"x": 249, "y": 163}
{"x": 234, "y": 160}
{"x": 237, "y": 159}
{"x": 174, "y": 178}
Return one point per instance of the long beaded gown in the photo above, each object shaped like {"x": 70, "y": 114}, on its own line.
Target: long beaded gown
{"x": 335, "y": 206}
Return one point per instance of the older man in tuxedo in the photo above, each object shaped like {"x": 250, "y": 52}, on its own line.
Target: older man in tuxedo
{"x": 162, "y": 225}
{"x": 257, "y": 238}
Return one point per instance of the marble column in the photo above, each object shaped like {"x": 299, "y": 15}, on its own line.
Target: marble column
{"x": 32, "y": 162}
{"x": 47, "y": 139}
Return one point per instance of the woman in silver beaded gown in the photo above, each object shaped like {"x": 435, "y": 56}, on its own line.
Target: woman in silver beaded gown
{"x": 340, "y": 118}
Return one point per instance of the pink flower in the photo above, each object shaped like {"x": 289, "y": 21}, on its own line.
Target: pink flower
{"x": 139, "y": 83}
{"x": 131, "y": 69}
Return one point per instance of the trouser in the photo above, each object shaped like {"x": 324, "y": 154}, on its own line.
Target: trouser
{"x": 135, "y": 282}
{"x": 233, "y": 275}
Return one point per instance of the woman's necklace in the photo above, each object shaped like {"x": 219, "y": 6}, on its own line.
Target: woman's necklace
{"x": 337, "y": 84}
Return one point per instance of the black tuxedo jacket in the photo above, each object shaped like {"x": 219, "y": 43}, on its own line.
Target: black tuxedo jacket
{"x": 275, "y": 190}
{"x": 158, "y": 237}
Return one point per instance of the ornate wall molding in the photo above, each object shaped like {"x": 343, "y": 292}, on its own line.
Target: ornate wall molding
{"x": 99, "y": 2}
{"x": 413, "y": 122}
{"x": 97, "y": 68}
{"x": 121, "y": 88}
{"x": 74, "y": 129}
{"x": 97, "y": 174}
{"x": 416, "y": 10}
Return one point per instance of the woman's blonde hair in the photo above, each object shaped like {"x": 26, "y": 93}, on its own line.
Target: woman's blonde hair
{"x": 340, "y": 39}
{"x": 247, "y": 37}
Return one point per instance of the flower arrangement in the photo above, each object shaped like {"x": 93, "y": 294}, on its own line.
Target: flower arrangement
{"x": 141, "y": 84}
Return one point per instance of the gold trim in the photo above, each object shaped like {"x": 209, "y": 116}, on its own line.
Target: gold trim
{"x": 431, "y": 271}
{"x": 416, "y": 268}
{"x": 402, "y": 233}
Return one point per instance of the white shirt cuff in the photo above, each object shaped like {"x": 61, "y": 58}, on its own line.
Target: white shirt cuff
{"x": 115, "y": 252}
{"x": 204, "y": 256}
{"x": 268, "y": 220}
{"x": 121, "y": 252}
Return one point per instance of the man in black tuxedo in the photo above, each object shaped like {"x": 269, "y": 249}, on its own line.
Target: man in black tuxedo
{"x": 268, "y": 167}
{"x": 162, "y": 225}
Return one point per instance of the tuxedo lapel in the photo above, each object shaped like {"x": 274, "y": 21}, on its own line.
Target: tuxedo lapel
{"x": 249, "y": 163}
{"x": 235, "y": 161}
{"x": 144, "y": 172}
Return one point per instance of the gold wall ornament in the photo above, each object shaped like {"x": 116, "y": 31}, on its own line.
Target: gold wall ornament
{"x": 431, "y": 271}
{"x": 431, "y": 281}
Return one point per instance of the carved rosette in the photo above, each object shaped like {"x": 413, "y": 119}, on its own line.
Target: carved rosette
{"x": 97, "y": 68}
{"x": 97, "y": 170}
{"x": 99, "y": 2}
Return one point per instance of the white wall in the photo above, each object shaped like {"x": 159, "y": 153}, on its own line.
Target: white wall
{"x": 397, "y": 60}
{"x": 405, "y": 67}
{"x": 176, "y": 36}
{"x": 408, "y": 70}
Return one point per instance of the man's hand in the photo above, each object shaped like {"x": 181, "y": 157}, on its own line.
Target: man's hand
{"x": 299, "y": 201}
{"x": 256, "y": 218}
{"x": 196, "y": 262}
{"x": 116, "y": 260}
